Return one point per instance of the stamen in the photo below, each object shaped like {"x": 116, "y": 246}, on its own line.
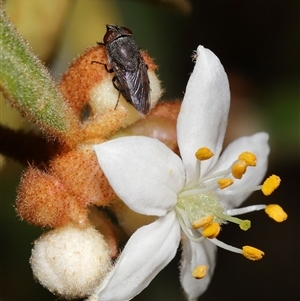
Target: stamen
{"x": 250, "y": 158}
{"x": 185, "y": 229}
{"x": 249, "y": 252}
{"x": 199, "y": 272}
{"x": 227, "y": 247}
{"x": 252, "y": 253}
{"x": 202, "y": 222}
{"x": 267, "y": 188}
{"x": 238, "y": 168}
{"x": 238, "y": 211}
{"x": 220, "y": 174}
{"x": 211, "y": 231}
{"x": 225, "y": 182}
{"x": 203, "y": 153}
{"x": 184, "y": 217}
{"x": 276, "y": 213}
{"x": 197, "y": 174}
{"x": 270, "y": 184}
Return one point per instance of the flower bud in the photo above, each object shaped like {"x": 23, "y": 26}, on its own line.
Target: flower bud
{"x": 70, "y": 261}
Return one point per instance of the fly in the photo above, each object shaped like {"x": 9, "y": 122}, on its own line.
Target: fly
{"x": 131, "y": 76}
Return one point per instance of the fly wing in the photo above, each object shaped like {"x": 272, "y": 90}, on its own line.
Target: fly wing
{"x": 135, "y": 86}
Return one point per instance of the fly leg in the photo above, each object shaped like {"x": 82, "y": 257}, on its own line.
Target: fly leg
{"x": 116, "y": 84}
{"x": 105, "y": 65}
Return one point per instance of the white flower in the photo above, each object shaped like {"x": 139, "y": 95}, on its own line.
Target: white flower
{"x": 152, "y": 180}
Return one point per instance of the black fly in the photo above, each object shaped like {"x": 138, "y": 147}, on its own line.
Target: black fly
{"x": 131, "y": 77}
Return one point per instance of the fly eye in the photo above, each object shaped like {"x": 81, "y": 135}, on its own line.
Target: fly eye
{"x": 127, "y": 31}
{"x": 110, "y": 36}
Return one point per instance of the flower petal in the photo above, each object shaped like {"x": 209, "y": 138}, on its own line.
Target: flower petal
{"x": 257, "y": 144}
{"x": 144, "y": 173}
{"x": 203, "y": 115}
{"x": 205, "y": 254}
{"x": 147, "y": 252}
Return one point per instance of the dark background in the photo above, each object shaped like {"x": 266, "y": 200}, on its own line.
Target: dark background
{"x": 259, "y": 42}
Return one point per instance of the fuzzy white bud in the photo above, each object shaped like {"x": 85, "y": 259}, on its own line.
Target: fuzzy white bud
{"x": 70, "y": 261}
{"x": 105, "y": 97}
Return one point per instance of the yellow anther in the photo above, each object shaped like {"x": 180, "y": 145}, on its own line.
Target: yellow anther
{"x": 239, "y": 168}
{"x": 276, "y": 213}
{"x": 211, "y": 231}
{"x": 199, "y": 272}
{"x": 203, "y": 153}
{"x": 250, "y": 158}
{"x": 225, "y": 182}
{"x": 206, "y": 220}
{"x": 252, "y": 253}
{"x": 270, "y": 184}
{"x": 245, "y": 224}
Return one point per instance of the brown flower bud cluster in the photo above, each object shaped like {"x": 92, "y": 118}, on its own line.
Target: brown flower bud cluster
{"x": 62, "y": 193}
{"x": 62, "y": 190}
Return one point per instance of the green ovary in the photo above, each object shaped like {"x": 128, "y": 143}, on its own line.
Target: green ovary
{"x": 201, "y": 205}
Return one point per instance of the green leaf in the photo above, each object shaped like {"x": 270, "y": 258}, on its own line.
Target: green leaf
{"x": 27, "y": 84}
